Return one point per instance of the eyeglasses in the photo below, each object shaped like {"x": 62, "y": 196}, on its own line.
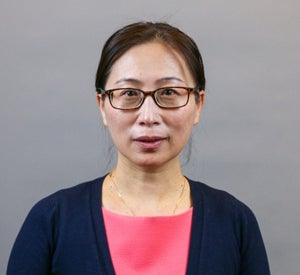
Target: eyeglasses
{"x": 131, "y": 98}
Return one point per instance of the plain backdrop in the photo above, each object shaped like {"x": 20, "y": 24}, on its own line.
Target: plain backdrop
{"x": 247, "y": 143}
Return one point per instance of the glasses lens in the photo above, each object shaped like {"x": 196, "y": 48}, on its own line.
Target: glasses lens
{"x": 126, "y": 98}
{"x": 172, "y": 97}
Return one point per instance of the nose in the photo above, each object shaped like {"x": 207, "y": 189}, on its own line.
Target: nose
{"x": 149, "y": 113}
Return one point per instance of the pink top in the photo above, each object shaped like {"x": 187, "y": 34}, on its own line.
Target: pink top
{"x": 148, "y": 245}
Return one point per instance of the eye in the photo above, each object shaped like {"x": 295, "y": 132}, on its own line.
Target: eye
{"x": 168, "y": 92}
{"x": 129, "y": 93}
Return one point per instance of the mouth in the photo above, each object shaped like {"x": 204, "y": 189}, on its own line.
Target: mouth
{"x": 150, "y": 142}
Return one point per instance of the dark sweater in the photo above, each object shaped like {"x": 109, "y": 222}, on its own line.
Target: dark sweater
{"x": 65, "y": 234}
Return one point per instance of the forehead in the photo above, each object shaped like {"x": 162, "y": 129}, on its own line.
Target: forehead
{"x": 150, "y": 62}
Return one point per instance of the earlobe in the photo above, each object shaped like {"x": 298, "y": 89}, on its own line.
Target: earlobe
{"x": 100, "y": 102}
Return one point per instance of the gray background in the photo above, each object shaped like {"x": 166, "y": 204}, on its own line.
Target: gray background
{"x": 248, "y": 140}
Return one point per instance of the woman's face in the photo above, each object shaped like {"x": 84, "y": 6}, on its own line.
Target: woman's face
{"x": 150, "y": 136}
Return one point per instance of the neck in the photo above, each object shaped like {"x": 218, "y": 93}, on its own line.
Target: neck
{"x": 153, "y": 181}
{"x": 135, "y": 191}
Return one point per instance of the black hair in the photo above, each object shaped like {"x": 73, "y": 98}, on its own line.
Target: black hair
{"x": 143, "y": 32}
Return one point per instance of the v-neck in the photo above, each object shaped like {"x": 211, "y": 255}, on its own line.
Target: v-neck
{"x": 105, "y": 260}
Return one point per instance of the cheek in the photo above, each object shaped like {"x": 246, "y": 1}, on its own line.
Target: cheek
{"x": 118, "y": 125}
{"x": 115, "y": 124}
{"x": 111, "y": 118}
{"x": 182, "y": 126}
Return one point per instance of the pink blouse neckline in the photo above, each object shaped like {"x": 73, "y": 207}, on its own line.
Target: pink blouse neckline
{"x": 121, "y": 216}
{"x": 148, "y": 244}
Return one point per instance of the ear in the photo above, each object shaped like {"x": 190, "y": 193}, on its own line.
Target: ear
{"x": 199, "y": 106}
{"x": 101, "y": 104}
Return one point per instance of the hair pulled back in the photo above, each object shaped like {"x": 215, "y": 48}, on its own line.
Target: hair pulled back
{"x": 142, "y": 32}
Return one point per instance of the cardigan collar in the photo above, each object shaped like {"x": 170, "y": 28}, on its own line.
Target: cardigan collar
{"x": 105, "y": 260}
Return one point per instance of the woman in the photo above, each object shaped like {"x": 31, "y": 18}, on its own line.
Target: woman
{"x": 144, "y": 217}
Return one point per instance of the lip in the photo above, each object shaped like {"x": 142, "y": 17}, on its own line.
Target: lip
{"x": 149, "y": 142}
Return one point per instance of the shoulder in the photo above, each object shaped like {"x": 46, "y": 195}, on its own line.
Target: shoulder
{"x": 62, "y": 209}
{"x": 221, "y": 203}
{"x": 71, "y": 198}
{"x": 227, "y": 224}
{"x": 212, "y": 195}
{"x": 50, "y": 224}
{"x": 224, "y": 214}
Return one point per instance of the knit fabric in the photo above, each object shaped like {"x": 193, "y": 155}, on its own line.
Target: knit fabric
{"x": 65, "y": 234}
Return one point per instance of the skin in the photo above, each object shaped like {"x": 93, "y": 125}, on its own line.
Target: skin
{"x": 149, "y": 139}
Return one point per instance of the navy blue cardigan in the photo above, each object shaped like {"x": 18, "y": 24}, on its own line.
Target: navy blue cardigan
{"x": 65, "y": 234}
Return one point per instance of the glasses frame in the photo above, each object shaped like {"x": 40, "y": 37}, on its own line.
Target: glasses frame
{"x": 189, "y": 90}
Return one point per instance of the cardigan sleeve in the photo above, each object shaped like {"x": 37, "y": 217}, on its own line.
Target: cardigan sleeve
{"x": 231, "y": 241}
{"x": 252, "y": 250}
{"x": 32, "y": 250}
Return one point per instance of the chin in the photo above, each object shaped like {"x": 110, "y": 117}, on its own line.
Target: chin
{"x": 154, "y": 162}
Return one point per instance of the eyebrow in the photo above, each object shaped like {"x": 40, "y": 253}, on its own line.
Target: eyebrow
{"x": 136, "y": 81}
{"x": 170, "y": 78}
{"x": 128, "y": 80}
